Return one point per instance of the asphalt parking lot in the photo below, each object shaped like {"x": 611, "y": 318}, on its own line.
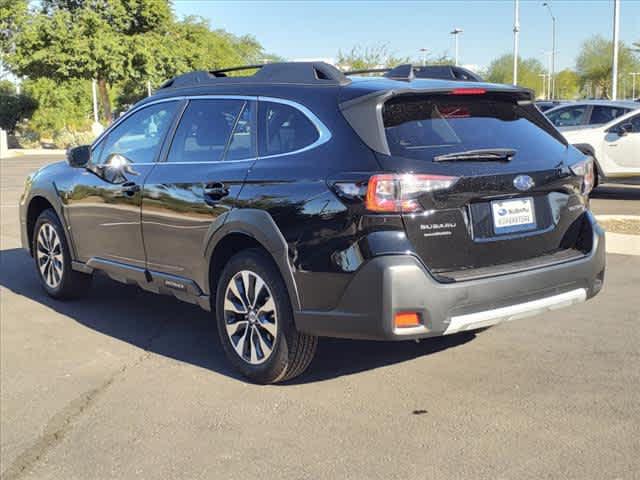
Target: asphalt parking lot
{"x": 125, "y": 384}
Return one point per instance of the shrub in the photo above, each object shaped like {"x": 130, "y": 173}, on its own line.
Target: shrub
{"x": 14, "y": 108}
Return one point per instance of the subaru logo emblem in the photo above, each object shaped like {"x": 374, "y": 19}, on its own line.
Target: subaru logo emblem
{"x": 523, "y": 182}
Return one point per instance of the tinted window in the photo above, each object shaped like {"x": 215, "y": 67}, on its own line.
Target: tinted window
{"x": 243, "y": 143}
{"x": 423, "y": 127}
{"x": 635, "y": 121}
{"x": 603, "y": 114}
{"x": 204, "y": 130}
{"x": 284, "y": 129}
{"x": 139, "y": 137}
{"x": 568, "y": 117}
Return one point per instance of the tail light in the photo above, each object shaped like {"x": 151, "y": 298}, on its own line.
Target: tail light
{"x": 586, "y": 170}
{"x": 399, "y": 193}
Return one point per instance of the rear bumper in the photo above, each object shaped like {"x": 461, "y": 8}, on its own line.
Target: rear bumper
{"x": 390, "y": 284}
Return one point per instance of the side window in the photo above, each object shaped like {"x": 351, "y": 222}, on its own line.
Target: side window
{"x": 635, "y": 121}
{"x": 139, "y": 137}
{"x": 603, "y": 114}
{"x": 568, "y": 117}
{"x": 204, "y": 130}
{"x": 243, "y": 142}
{"x": 284, "y": 129}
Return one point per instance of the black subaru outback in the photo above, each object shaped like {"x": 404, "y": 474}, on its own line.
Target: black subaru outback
{"x": 300, "y": 202}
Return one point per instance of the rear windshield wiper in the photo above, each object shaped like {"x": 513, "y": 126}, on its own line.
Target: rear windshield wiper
{"x": 482, "y": 154}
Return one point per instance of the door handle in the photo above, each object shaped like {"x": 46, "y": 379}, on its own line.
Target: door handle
{"x": 129, "y": 188}
{"x": 213, "y": 192}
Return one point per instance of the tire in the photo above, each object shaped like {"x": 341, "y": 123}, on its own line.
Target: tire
{"x": 49, "y": 247}
{"x": 256, "y": 325}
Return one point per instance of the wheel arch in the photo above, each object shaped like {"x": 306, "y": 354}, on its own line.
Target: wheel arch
{"x": 38, "y": 203}
{"x": 248, "y": 228}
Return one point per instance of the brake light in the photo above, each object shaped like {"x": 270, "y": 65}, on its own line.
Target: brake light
{"x": 586, "y": 170}
{"x": 468, "y": 91}
{"x": 393, "y": 193}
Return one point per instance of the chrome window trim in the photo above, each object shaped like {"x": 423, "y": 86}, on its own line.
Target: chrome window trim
{"x": 324, "y": 134}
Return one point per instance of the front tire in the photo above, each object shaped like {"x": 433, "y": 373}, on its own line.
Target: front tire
{"x": 255, "y": 321}
{"x": 53, "y": 259}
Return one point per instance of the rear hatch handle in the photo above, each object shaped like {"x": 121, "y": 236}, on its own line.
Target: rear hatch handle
{"x": 482, "y": 154}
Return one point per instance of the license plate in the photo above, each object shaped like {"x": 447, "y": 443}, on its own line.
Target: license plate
{"x": 513, "y": 215}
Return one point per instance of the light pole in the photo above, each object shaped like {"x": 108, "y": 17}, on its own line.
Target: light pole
{"x": 455, "y": 32}
{"x": 633, "y": 84}
{"x": 544, "y": 81}
{"x": 616, "y": 29}
{"x": 424, "y": 56}
{"x": 552, "y": 81}
{"x": 549, "y": 54}
{"x": 516, "y": 31}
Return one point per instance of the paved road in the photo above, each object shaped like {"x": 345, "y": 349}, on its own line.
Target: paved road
{"x": 125, "y": 384}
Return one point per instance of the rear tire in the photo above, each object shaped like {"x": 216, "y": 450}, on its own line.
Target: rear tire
{"x": 255, "y": 321}
{"x": 53, "y": 259}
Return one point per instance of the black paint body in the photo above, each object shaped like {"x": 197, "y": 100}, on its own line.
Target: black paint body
{"x": 168, "y": 228}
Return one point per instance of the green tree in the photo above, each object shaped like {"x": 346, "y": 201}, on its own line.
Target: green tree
{"x": 363, "y": 58}
{"x": 121, "y": 43}
{"x": 567, "y": 84}
{"x": 529, "y": 71}
{"x": 62, "y": 105}
{"x": 594, "y": 64}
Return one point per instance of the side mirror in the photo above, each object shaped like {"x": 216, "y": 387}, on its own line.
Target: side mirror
{"x": 625, "y": 128}
{"x": 79, "y": 157}
{"x": 116, "y": 168}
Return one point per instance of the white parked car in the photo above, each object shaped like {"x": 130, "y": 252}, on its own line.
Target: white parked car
{"x": 588, "y": 113}
{"x": 615, "y": 146}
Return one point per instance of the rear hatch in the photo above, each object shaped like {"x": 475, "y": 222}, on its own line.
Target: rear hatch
{"x": 514, "y": 202}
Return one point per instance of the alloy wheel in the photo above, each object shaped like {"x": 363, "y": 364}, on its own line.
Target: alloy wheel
{"x": 250, "y": 316}
{"x": 49, "y": 255}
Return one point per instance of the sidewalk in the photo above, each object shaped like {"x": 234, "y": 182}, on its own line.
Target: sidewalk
{"x": 18, "y": 152}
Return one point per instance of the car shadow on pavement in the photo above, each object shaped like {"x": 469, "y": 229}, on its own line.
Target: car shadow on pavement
{"x": 616, "y": 192}
{"x": 165, "y": 326}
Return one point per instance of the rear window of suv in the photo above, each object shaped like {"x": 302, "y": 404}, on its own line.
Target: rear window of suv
{"x": 422, "y": 127}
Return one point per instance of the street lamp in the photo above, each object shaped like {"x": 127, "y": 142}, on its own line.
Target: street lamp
{"x": 424, "y": 56}
{"x": 455, "y": 32}
{"x": 553, "y": 49}
{"x": 516, "y": 31}
{"x": 544, "y": 81}
{"x": 616, "y": 32}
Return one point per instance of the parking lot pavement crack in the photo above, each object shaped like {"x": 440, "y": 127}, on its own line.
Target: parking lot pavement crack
{"x": 54, "y": 431}
{"x": 61, "y": 423}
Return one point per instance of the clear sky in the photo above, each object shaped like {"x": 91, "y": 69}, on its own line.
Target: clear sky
{"x": 319, "y": 29}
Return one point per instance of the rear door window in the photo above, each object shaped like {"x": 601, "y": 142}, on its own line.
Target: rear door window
{"x": 205, "y": 129}
{"x": 604, "y": 114}
{"x": 284, "y": 129}
{"x": 422, "y": 127}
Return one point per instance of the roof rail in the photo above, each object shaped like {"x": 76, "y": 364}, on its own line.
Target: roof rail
{"x": 319, "y": 73}
{"x": 408, "y": 72}
{"x": 367, "y": 70}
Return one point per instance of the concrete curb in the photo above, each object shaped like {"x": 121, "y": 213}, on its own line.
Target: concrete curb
{"x": 621, "y": 243}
